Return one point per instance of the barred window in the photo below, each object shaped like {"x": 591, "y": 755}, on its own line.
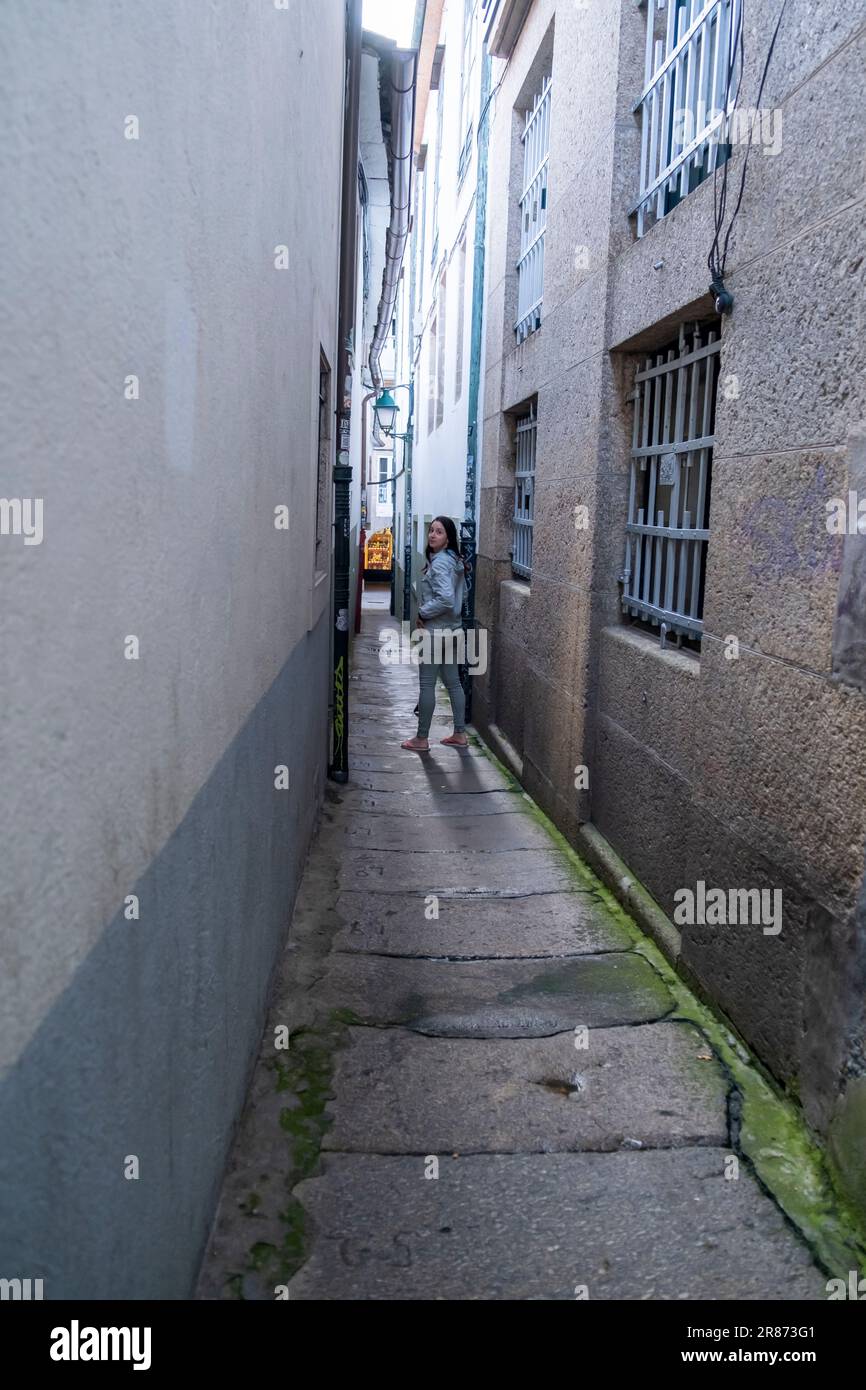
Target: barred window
{"x": 461, "y": 310}
{"x": 440, "y": 112}
{"x": 533, "y": 214}
{"x": 690, "y": 81}
{"x": 669, "y": 483}
{"x": 442, "y": 305}
{"x": 432, "y": 357}
{"x": 524, "y": 494}
{"x": 383, "y": 486}
{"x": 464, "y": 125}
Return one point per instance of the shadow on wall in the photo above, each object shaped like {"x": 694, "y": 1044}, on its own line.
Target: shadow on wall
{"x": 146, "y": 1054}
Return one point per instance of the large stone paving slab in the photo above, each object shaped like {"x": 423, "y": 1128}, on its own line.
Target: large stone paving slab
{"x": 495, "y": 999}
{"x": 546, "y": 924}
{"x": 374, "y": 757}
{"x": 395, "y": 1092}
{"x": 443, "y": 771}
{"x": 457, "y": 872}
{"x": 619, "y": 1226}
{"x": 402, "y": 800}
{"x": 517, "y": 831}
{"x": 372, "y": 720}
{"x": 382, "y": 730}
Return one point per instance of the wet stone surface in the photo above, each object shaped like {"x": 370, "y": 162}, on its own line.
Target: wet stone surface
{"x": 432, "y": 1130}
{"x": 537, "y": 925}
{"x": 633, "y": 1087}
{"x": 431, "y": 834}
{"x": 663, "y": 1225}
{"x": 454, "y": 872}
{"x": 496, "y": 998}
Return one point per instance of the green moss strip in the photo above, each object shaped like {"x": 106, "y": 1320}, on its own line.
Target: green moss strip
{"x": 305, "y": 1072}
{"x": 773, "y": 1136}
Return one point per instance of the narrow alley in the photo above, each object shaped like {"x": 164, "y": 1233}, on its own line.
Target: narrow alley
{"x": 500, "y": 362}
{"x": 508, "y": 1100}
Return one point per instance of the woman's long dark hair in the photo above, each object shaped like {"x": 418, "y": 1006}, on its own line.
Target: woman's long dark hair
{"x": 450, "y": 531}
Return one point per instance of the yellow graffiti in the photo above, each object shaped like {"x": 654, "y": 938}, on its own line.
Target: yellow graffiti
{"x": 339, "y": 707}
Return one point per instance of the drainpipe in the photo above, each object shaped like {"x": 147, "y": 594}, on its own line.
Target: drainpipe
{"x": 364, "y": 483}
{"x": 417, "y": 34}
{"x": 403, "y": 66}
{"x": 339, "y": 768}
{"x": 407, "y": 486}
{"x": 468, "y": 538}
{"x": 407, "y": 527}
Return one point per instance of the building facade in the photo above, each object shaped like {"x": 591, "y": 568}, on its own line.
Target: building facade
{"x": 676, "y": 636}
{"x": 169, "y": 377}
{"x": 435, "y": 323}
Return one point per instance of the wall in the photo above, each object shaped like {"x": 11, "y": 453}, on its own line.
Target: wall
{"x": 155, "y": 777}
{"x": 742, "y": 772}
{"x": 439, "y": 455}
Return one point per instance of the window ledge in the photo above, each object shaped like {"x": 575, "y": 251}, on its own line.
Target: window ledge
{"x": 688, "y": 663}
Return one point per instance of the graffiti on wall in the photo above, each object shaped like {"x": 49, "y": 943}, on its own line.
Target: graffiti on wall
{"x": 339, "y": 710}
{"x": 789, "y": 536}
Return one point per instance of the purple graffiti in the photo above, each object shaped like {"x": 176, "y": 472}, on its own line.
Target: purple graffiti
{"x": 789, "y": 536}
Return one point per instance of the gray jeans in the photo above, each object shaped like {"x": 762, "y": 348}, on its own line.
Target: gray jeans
{"x": 427, "y": 675}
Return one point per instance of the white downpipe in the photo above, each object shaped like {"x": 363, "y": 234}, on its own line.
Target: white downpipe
{"x": 403, "y": 72}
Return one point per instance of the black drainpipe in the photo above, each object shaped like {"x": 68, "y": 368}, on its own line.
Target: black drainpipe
{"x": 339, "y": 768}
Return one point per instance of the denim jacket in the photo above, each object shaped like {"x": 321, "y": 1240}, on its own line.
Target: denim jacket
{"x": 443, "y": 585}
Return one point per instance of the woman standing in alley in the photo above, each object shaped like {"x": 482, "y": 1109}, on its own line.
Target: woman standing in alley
{"x": 441, "y": 607}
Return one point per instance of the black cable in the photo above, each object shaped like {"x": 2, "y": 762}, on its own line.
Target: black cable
{"x": 716, "y": 263}
{"x": 720, "y": 199}
{"x": 749, "y": 146}
{"x": 489, "y": 99}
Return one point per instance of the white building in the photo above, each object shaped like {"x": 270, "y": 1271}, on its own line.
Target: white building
{"x": 435, "y": 321}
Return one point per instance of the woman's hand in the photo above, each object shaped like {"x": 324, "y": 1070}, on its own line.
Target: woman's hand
{"x": 419, "y": 622}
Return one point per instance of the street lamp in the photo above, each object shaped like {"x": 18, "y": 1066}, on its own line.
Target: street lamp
{"x": 386, "y": 411}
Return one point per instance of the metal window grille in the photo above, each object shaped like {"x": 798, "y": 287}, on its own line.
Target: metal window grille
{"x": 461, "y": 311}
{"x": 465, "y": 156}
{"x": 669, "y": 483}
{"x": 440, "y": 111}
{"x": 464, "y": 125}
{"x": 440, "y": 349}
{"x": 431, "y": 376}
{"x": 689, "y": 73}
{"x": 524, "y": 495}
{"x": 533, "y": 214}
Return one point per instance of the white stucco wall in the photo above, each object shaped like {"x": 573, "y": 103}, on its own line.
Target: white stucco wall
{"x": 154, "y": 257}
{"x": 439, "y": 457}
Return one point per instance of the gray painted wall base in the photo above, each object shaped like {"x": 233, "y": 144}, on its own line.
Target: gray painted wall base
{"x": 149, "y": 1049}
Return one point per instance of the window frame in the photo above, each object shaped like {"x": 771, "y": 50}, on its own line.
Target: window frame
{"x": 674, "y": 402}
{"x": 523, "y": 514}
{"x": 687, "y": 74}
{"x": 533, "y": 203}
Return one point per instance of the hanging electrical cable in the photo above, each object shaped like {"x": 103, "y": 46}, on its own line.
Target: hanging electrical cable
{"x": 716, "y": 261}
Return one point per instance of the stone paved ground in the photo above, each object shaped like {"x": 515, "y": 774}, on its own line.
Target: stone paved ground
{"x": 443, "y": 952}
